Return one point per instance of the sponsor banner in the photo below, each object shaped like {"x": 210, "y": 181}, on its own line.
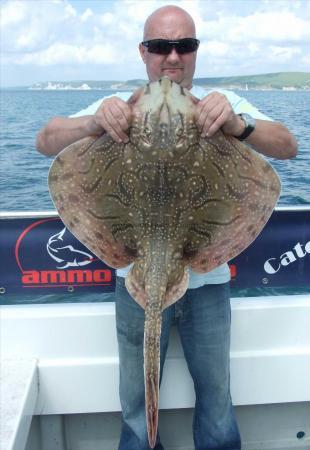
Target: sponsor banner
{"x": 280, "y": 255}
{"x": 41, "y": 255}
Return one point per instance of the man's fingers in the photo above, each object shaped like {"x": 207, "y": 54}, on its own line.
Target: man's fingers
{"x": 113, "y": 127}
{"x": 217, "y": 123}
{"x": 202, "y": 110}
{"x": 214, "y": 127}
{"x": 202, "y": 116}
{"x": 114, "y": 116}
{"x": 111, "y": 131}
{"x": 207, "y": 111}
{"x": 125, "y": 110}
{"x": 213, "y": 112}
{"x": 121, "y": 116}
{"x": 211, "y": 117}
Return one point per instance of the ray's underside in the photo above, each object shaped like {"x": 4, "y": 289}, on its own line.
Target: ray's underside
{"x": 166, "y": 200}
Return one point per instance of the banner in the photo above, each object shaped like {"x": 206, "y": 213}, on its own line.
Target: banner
{"x": 280, "y": 255}
{"x": 41, "y": 255}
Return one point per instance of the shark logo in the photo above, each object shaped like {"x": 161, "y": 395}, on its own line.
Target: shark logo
{"x": 43, "y": 244}
{"x": 66, "y": 255}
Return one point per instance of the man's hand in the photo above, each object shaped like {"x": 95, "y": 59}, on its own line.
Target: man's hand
{"x": 214, "y": 112}
{"x": 114, "y": 116}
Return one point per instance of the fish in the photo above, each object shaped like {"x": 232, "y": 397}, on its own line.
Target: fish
{"x": 166, "y": 201}
{"x": 66, "y": 254}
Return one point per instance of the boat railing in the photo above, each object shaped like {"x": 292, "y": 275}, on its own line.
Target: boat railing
{"x": 39, "y": 254}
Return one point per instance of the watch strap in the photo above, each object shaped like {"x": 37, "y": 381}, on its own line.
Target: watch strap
{"x": 249, "y": 128}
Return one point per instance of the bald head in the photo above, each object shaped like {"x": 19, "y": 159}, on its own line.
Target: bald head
{"x": 173, "y": 24}
{"x": 165, "y": 18}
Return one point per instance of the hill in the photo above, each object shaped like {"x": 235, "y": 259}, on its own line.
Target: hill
{"x": 280, "y": 80}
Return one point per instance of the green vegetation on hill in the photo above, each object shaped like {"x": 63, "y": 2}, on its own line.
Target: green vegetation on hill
{"x": 298, "y": 80}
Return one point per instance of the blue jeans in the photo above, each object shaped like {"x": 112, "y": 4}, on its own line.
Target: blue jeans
{"x": 202, "y": 316}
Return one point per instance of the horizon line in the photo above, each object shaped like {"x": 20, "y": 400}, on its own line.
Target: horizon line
{"x": 145, "y": 79}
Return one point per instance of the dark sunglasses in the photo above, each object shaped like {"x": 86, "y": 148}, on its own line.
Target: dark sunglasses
{"x": 164, "y": 46}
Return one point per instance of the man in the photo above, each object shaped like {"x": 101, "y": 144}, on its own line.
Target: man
{"x": 202, "y": 315}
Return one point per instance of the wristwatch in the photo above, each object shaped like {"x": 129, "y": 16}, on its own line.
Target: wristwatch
{"x": 249, "y": 122}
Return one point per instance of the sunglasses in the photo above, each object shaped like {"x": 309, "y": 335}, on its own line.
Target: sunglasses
{"x": 164, "y": 46}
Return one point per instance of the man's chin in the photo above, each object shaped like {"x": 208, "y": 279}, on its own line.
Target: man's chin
{"x": 174, "y": 74}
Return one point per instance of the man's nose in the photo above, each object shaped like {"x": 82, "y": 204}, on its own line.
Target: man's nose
{"x": 173, "y": 56}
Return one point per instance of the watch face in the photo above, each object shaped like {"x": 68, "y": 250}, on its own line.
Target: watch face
{"x": 249, "y": 120}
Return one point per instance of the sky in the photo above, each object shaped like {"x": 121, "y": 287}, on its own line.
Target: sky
{"x": 63, "y": 40}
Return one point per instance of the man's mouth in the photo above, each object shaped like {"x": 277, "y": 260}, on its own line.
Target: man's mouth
{"x": 172, "y": 69}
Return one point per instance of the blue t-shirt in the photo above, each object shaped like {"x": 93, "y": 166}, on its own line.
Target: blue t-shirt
{"x": 240, "y": 105}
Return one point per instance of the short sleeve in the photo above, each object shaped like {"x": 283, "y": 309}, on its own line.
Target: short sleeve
{"x": 242, "y": 105}
{"x": 239, "y": 104}
{"x": 91, "y": 109}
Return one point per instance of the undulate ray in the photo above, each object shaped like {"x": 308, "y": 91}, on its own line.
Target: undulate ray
{"x": 167, "y": 200}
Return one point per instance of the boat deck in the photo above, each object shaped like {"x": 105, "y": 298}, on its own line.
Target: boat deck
{"x": 18, "y": 397}
{"x": 75, "y": 348}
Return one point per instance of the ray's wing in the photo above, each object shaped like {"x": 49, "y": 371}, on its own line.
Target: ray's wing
{"x": 234, "y": 192}
{"x": 86, "y": 182}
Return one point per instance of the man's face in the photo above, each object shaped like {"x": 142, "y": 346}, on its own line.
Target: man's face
{"x": 179, "y": 68}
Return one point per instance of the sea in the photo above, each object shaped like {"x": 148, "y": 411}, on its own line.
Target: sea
{"x": 23, "y": 171}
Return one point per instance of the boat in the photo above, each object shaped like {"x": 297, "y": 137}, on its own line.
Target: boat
{"x": 59, "y": 360}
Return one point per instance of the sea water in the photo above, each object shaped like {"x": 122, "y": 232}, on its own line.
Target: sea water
{"x": 23, "y": 177}
{"x": 23, "y": 171}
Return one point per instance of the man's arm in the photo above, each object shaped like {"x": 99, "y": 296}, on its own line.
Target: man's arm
{"x": 269, "y": 138}
{"x": 113, "y": 116}
{"x": 272, "y": 139}
{"x": 62, "y": 131}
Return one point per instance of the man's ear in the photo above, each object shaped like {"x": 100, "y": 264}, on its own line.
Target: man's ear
{"x": 142, "y": 51}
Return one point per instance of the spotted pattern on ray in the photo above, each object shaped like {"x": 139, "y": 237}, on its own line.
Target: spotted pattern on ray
{"x": 166, "y": 200}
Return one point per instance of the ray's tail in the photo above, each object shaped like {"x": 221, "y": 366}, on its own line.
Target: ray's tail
{"x": 152, "y": 332}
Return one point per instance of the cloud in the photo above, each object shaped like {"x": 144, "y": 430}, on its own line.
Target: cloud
{"x": 59, "y": 53}
{"x": 39, "y": 25}
{"x": 259, "y": 27}
{"x": 35, "y": 36}
{"x": 215, "y": 48}
{"x": 273, "y": 36}
{"x": 86, "y": 15}
{"x": 13, "y": 13}
{"x": 72, "y": 37}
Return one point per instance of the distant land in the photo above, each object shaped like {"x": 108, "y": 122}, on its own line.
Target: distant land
{"x": 288, "y": 81}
